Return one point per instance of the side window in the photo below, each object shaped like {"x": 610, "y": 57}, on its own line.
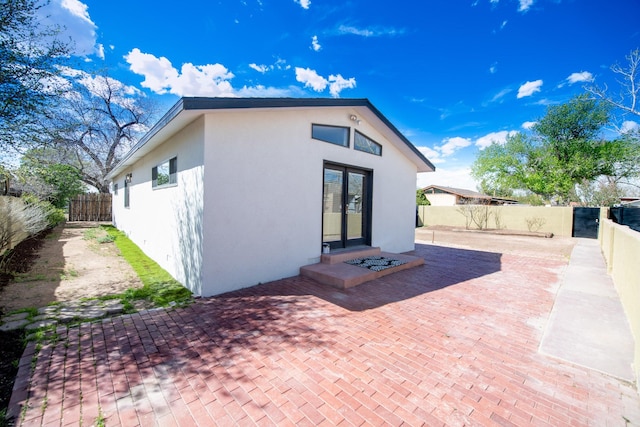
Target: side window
{"x": 332, "y": 134}
{"x": 127, "y": 184}
{"x": 366, "y": 144}
{"x": 115, "y": 188}
{"x": 165, "y": 174}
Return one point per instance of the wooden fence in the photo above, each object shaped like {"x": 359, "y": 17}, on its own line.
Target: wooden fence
{"x": 90, "y": 207}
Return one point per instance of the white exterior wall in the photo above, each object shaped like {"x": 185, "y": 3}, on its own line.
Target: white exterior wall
{"x": 442, "y": 199}
{"x": 263, "y": 193}
{"x": 166, "y": 223}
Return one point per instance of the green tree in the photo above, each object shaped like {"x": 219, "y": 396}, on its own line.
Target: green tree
{"x": 40, "y": 174}
{"x": 29, "y": 55}
{"x": 565, "y": 148}
{"x": 421, "y": 199}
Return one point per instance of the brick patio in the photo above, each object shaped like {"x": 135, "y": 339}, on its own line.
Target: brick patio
{"x": 453, "y": 342}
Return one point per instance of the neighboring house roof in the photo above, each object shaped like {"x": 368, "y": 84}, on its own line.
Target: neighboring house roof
{"x": 187, "y": 109}
{"x": 467, "y": 194}
{"x": 628, "y": 199}
{"x": 632, "y": 203}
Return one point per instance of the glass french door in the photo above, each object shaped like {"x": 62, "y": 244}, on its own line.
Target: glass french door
{"x": 346, "y": 219}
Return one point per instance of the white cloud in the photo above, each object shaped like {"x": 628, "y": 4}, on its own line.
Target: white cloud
{"x": 261, "y": 91}
{"x": 529, "y": 88}
{"x": 528, "y": 125}
{"x": 77, "y": 9}
{"x": 494, "y": 137}
{"x": 456, "y": 177}
{"x": 314, "y": 43}
{"x": 451, "y": 145}
{"x": 304, "y": 3}
{"x": 369, "y": 32}
{"x": 525, "y": 5}
{"x": 431, "y": 154}
{"x": 504, "y": 24}
{"x": 312, "y": 79}
{"x": 192, "y": 80}
{"x": 583, "y": 76}
{"x": 72, "y": 17}
{"x": 338, "y": 83}
{"x": 100, "y": 50}
{"x": 493, "y": 68}
{"x": 498, "y": 96}
{"x": 259, "y": 68}
{"x": 280, "y": 64}
{"x": 629, "y": 126}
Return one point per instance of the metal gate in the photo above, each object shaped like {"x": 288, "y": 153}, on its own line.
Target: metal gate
{"x": 586, "y": 222}
{"x": 629, "y": 216}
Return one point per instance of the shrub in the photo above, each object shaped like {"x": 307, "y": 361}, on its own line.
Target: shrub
{"x": 54, "y": 216}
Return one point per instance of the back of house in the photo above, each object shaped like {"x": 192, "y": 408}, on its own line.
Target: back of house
{"x": 226, "y": 193}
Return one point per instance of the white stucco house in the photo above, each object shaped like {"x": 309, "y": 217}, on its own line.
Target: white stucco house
{"x": 226, "y": 193}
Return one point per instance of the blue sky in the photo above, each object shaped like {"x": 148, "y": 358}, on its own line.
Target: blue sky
{"x": 452, "y": 75}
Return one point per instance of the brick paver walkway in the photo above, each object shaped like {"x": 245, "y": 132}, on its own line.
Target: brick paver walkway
{"x": 453, "y": 342}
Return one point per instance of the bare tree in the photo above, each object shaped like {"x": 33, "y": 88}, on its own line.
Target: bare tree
{"x": 98, "y": 121}
{"x": 29, "y": 52}
{"x": 629, "y": 81}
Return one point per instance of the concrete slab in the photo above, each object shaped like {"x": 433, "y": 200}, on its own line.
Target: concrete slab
{"x": 587, "y": 325}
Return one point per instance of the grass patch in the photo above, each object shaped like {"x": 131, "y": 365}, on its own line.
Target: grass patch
{"x": 68, "y": 274}
{"x": 90, "y": 234}
{"x": 158, "y": 285}
{"x": 106, "y": 239}
{"x": 26, "y": 277}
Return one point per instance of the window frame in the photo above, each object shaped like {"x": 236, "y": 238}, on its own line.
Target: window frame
{"x": 346, "y": 128}
{"x": 355, "y": 147}
{"x": 173, "y": 174}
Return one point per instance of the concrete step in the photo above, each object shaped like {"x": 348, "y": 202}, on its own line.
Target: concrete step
{"x": 343, "y": 276}
{"x": 342, "y": 255}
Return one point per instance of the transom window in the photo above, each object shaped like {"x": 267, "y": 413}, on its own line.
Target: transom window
{"x": 165, "y": 174}
{"x": 366, "y": 144}
{"x": 332, "y": 134}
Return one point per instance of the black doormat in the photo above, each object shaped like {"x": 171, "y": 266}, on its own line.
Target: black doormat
{"x": 375, "y": 263}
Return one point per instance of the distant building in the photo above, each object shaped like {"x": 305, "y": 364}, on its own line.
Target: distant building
{"x": 628, "y": 201}
{"x": 449, "y": 196}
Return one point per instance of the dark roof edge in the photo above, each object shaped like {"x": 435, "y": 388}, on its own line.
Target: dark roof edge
{"x": 204, "y": 103}
{"x": 458, "y": 191}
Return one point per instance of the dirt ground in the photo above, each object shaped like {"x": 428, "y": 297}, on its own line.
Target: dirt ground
{"x": 528, "y": 245}
{"x": 70, "y": 265}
